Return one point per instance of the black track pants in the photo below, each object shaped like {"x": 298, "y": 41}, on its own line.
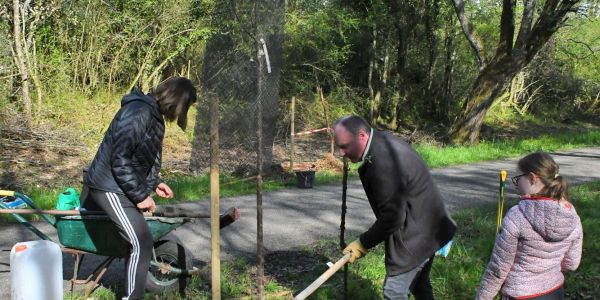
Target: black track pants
{"x": 133, "y": 228}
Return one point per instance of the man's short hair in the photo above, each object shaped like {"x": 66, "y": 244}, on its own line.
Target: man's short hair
{"x": 354, "y": 124}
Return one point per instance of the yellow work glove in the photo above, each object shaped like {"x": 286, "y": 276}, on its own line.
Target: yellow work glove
{"x": 357, "y": 250}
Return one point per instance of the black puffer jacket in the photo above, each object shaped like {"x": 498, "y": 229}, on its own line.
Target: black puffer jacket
{"x": 128, "y": 160}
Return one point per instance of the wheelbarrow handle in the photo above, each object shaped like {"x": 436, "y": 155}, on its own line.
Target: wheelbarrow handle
{"x": 225, "y": 219}
{"x": 230, "y": 216}
{"x": 54, "y": 212}
{"x": 48, "y": 212}
{"x": 7, "y": 193}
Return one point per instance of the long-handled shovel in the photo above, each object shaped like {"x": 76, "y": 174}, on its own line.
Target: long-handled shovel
{"x": 317, "y": 283}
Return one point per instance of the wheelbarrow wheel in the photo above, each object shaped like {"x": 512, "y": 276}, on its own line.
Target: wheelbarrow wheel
{"x": 175, "y": 255}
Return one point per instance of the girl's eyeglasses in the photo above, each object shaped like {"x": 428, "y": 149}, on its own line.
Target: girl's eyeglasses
{"x": 515, "y": 179}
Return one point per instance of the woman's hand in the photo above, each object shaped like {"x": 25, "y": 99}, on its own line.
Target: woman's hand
{"x": 164, "y": 191}
{"x": 147, "y": 205}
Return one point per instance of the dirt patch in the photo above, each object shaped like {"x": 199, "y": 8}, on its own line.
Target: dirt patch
{"x": 40, "y": 157}
{"x": 330, "y": 162}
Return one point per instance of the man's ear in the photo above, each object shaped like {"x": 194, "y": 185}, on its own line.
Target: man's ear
{"x": 363, "y": 134}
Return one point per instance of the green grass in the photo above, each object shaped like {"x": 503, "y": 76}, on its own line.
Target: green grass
{"x": 186, "y": 188}
{"x": 585, "y": 282}
{"x": 491, "y": 150}
{"x": 454, "y": 277}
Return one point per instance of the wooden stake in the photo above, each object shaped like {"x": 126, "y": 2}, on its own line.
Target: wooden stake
{"x": 331, "y": 143}
{"x": 317, "y": 283}
{"x": 214, "y": 199}
{"x": 293, "y": 112}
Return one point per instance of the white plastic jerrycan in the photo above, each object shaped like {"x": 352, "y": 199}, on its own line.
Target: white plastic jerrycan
{"x": 36, "y": 271}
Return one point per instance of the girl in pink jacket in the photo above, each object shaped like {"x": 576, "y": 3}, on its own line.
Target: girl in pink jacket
{"x": 540, "y": 238}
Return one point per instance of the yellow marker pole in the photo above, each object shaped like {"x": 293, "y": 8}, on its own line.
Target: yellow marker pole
{"x": 501, "y": 199}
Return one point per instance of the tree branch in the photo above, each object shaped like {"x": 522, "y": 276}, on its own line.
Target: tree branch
{"x": 574, "y": 55}
{"x": 592, "y": 51}
{"x": 507, "y": 28}
{"x": 553, "y": 15}
{"x": 525, "y": 30}
{"x": 467, "y": 28}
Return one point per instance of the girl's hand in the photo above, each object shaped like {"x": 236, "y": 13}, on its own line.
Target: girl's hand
{"x": 164, "y": 191}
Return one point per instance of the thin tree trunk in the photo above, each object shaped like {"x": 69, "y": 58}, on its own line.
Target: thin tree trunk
{"x": 29, "y": 25}
{"x": 430, "y": 27}
{"x": 260, "y": 82}
{"x": 26, "y": 99}
{"x": 77, "y": 77}
{"x": 372, "y": 67}
{"x": 382, "y": 86}
{"x": 292, "y": 136}
{"x": 37, "y": 84}
{"x": 472, "y": 38}
{"x": 450, "y": 55}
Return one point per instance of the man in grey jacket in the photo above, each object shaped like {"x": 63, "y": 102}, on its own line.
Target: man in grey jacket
{"x": 411, "y": 218}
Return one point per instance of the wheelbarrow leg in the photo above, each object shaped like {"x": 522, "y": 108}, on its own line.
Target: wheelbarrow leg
{"x": 98, "y": 273}
{"x": 78, "y": 260}
{"x": 95, "y": 276}
{"x": 78, "y": 255}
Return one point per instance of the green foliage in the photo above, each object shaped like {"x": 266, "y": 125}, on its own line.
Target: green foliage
{"x": 316, "y": 46}
{"x": 94, "y": 45}
{"x": 577, "y": 44}
{"x": 574, "y": 68}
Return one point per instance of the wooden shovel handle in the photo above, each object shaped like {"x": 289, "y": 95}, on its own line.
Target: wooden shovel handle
{"x": 317, "y": 283}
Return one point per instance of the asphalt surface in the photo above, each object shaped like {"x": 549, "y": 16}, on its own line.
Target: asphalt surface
{"x": 297, "y": 217}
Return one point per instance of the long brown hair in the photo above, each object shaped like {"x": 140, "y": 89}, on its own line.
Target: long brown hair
{"x": 544, "y": 166}
{"x": 174, "y": 97}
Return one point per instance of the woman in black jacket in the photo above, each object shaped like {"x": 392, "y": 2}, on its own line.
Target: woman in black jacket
{"x": 125, "y": 170}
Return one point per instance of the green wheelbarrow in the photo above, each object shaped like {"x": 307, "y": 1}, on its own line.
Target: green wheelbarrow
{"x": 86, "y": 232}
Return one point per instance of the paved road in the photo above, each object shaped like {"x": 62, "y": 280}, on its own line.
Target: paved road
{"x": 297, "y": 217}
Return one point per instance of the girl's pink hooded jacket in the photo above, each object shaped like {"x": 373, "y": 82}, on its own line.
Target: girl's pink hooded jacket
{"x": 540, "y": 239}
